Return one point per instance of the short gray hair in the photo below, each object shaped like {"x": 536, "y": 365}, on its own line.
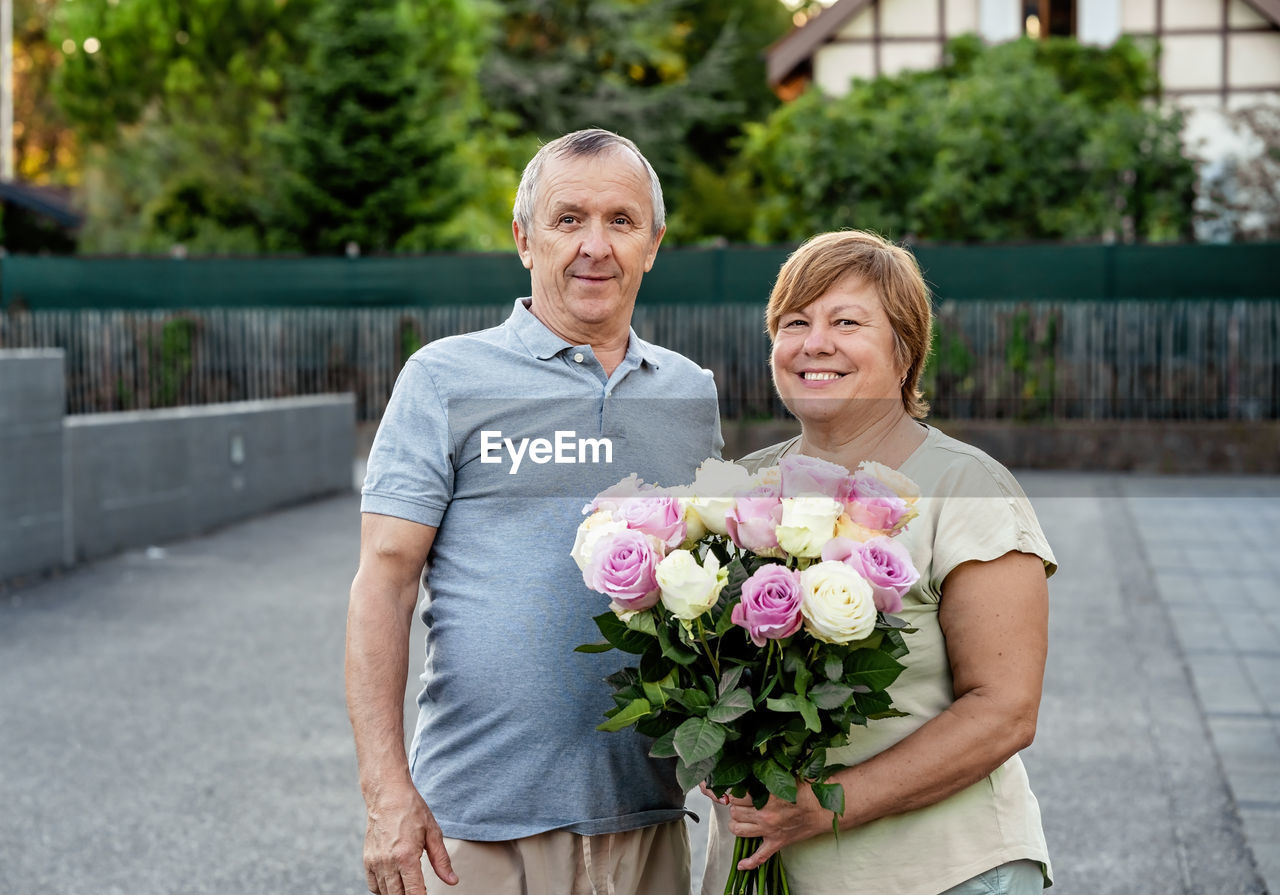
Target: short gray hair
{"x": 586, "y": 143}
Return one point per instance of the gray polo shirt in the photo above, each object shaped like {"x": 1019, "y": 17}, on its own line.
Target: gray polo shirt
{"x": 498, "y": 438}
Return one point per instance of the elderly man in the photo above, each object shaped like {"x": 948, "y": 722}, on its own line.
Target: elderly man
{"x": 491, "y": 444}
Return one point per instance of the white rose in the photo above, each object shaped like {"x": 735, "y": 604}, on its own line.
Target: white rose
{"x": 807, "y": 524}
{"x": 837, "y": 603}
{"x": 593, "y": 529}
{"x": 768, "y": 476}
{"x": 714, "y": 486}
{"x": 690, "y": 589}
{"x": 694, "y": 530}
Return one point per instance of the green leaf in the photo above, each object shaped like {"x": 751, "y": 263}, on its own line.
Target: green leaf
{"x": 830, "y": 796}
{"x": 593, "y": 648}
{"x": 698, "y": 739}
{"x": 654, "y": 693}
{"x": 653, "y": 665}
{"x": 638, "y": 709}
{"x": 663, "y": 747}
{"x": 624, "y": 677}
{"x": 730, "y": 706}
{"x": 766, "y": 731}
{"x": 673, "y": 649}
{"x": 776, "y": 779}
{"x": 871, "y": 668}
{"x": 833, "y": 667}
{"x": 804, "y": 677}
{"x": 830, "y": 695}
{"x": 617, "y": 633}
{"x": 897, "y": 644}
{"x": 643, "y": 623}
{"x": 730, "y": 678}
{"x": 693, "y": 699}
{"x": 730, "y": 772}
{"x": 809, "y": 712}
{"x": 688, "y": 776}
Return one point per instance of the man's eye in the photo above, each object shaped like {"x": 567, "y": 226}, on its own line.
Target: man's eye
{"x": 567, "y": 219}
{"x": 621, "y": 221}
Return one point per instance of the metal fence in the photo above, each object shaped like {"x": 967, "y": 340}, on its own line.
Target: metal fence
{"x": 1128, "y": 359}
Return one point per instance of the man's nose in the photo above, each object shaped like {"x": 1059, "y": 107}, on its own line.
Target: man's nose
{"x": 595, "y": 241}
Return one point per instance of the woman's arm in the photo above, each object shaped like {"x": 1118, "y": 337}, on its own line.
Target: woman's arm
{"x": 995, "y": 618}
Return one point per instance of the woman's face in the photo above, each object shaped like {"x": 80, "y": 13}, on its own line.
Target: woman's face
{"x": 836, "y": 350}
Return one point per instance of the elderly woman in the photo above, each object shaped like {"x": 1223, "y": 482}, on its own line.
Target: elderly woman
{"x": 937, "y": 801}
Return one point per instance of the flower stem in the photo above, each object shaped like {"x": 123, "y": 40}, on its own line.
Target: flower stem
{"x": 706, "y": 648}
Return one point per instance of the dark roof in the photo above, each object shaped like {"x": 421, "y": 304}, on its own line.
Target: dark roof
{"x": 785, "y": 54}
{"x": 52, "y": 202}
{"x": 782, "y": 58}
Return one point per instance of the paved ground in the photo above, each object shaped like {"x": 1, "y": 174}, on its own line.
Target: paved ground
{"x": 172, "y": 722}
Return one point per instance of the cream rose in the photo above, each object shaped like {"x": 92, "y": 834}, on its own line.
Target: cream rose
{"x": 837, "y": 603}
{"x": 807, "y": 524}
{"x": 714, "y": 486}
{"x": 689, "y": 588}
{"x": 902, "y": 485}
{"x": 596, "y": 527}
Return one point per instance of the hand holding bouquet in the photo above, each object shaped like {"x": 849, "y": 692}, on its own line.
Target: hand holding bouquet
{"x": 760, "y": 610}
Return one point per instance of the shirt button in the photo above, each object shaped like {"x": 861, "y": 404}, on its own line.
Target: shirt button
{"x": 578, "y": 358}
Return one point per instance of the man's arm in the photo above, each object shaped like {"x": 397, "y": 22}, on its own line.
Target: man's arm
{"x": 383, "y": 597}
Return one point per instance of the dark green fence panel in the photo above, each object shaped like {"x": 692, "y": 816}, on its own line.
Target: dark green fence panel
{"x": 1123, "y": 359}
{"x": 685, "y": 276}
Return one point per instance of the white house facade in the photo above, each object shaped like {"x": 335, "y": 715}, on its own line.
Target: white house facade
{"x": 1215, "y": 55}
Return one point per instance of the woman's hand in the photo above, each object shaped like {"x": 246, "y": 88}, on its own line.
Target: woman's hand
{"x": 779, "y": 823}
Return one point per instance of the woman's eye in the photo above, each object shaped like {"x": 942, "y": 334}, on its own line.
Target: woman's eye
{"x": 793, "y": 324}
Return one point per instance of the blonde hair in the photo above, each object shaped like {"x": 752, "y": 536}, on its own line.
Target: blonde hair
{"x": 891, "y": 270}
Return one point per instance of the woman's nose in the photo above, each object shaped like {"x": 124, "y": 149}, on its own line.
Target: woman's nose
{"x": 818, "y": 340}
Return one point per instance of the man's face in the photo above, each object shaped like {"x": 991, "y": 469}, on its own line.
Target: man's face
{"x": 589, "y": 243}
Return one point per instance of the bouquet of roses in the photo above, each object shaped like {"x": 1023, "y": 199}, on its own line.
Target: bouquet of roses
{"x": 760, "y": 610}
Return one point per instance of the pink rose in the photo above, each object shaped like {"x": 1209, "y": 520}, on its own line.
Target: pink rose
{"x": 770, "y": 604}
{"x": 873, "y": 504}
{"x": 623, "y": 567}
{"x": 883, "y": 562}
{"x": 662, "y": 517}
{"x": 753, "y": 521}
{"x": 810, "y": 477}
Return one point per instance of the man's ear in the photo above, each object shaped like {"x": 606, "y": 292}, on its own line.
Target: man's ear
{"x": 653, "y": 249}
{"x": 522, "y": 245}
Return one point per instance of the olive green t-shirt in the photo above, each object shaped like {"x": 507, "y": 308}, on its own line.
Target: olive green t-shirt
{"x": 971, "y": 508}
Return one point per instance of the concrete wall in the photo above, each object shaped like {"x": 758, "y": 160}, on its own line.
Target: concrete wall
{"x": 82, "y": 487}
{"x": 150, "y": 476}
{"x": 32, "y": 395}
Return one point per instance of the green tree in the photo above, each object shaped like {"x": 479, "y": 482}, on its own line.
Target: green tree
{"x": 1026, "y": 140}
{"x": 677, "y": 76}
{"x": 173, "y": 109}
{"x": 377, "y": 121}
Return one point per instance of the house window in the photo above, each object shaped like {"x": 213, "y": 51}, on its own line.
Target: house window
{"x": 1049, "y": 18}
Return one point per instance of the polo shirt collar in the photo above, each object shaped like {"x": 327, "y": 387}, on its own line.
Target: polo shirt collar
{"x": 544, "y": 344}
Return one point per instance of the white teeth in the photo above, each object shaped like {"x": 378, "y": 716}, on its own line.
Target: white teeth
{"x": 821, "y": 377}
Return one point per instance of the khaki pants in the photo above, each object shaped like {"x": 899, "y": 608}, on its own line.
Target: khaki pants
{"x": 649, "y": 861}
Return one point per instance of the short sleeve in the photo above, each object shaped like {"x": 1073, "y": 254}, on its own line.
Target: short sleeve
{"x": 410, "y": 472}
{"x": 984, "y": 515}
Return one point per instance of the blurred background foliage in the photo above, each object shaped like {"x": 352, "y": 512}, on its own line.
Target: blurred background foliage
{"x": 319, "y": 126}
